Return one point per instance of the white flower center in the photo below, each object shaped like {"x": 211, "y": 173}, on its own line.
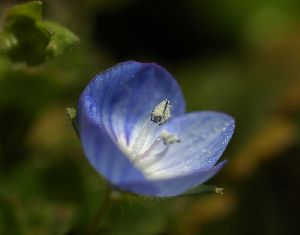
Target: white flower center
{"x": 152, "y": 142}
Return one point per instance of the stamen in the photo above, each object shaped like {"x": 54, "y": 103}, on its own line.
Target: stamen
{"x": 162, "y": 112}
{"x": 169, "y": 138}
{"x": 160, "y": 146}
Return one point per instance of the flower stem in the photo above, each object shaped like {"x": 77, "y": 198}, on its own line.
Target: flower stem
{"x": 101, "y": 212}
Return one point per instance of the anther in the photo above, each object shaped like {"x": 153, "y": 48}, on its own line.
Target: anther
{"x": 161, "y": 113}
{"x": 168, "y": 138}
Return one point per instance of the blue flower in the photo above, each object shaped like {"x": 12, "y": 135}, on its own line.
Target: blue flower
{"x": 135, "y": 132}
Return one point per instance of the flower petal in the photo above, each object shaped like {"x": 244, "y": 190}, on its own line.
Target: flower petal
{"x": 173, "y": 186}
{"x": 101, "y": 151}
{"x": 124, "y": 95}
{"x": 204, "y": 137}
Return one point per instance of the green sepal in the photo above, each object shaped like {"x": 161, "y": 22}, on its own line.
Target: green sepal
{"x": 202, "y": 190}
{"x": 72, "y": 115}
{"x": 197, "y": 191}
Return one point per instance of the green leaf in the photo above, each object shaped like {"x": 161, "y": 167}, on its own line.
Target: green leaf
{"x": 26, "y": 38}
{"x": 32, "y": 10}
{"x": 61, "y": 39}
{"x": 7, "y": 41}
{"x": 22, "y": 41}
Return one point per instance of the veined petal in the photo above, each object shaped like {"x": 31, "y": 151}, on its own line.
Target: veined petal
{"x": 102, "y": 152}
{"x": 204, "y": 137}
{"x": 173, "y": 186}
{"x": 124, "y": 96}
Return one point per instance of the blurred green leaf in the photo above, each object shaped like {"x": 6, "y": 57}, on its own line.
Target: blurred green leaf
{"x": 62, "y": 181}
{"x": 61, "y": 39}
{"x": 24, "y": 42}
{"x": 13, "y": 94}
{"x": 137, "y": 218}
{"x": 4, "y": 64}
{"x": 8, "y": 220}
{"x": 27, "y": 38}
{"x": 32, "y": 10}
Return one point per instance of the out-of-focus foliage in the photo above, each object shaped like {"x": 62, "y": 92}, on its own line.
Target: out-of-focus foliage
{"x": 240, "y": 57}
{"x": 25, "y": 37}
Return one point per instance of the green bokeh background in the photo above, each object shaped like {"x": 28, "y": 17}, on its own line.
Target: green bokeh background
{"x": 239, "y": 57}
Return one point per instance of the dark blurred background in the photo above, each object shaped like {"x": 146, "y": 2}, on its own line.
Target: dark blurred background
{"x": 239, "y": 57}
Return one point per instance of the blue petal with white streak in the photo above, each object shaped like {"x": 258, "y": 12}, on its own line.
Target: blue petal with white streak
{"x": 204, "y": 137}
